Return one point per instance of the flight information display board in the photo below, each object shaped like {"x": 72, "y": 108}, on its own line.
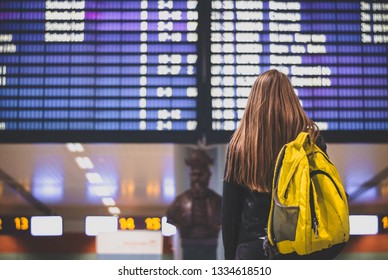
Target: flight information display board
{"x": 335, "y": 53}
{"x": 174, "y": 71}
{"x": 98, "y": 65}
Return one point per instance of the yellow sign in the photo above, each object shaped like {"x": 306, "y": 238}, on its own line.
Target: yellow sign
{"x": 127, "y": 224}
{"x": 385, "y": 222}
{"x": 153, "y": 223}
{"x": 1, "y": 224}
{"x": 21, "y": 223}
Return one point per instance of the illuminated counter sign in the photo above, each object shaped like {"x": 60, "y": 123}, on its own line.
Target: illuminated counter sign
{"x": 153, "y": 223}
{"x": 338, "y": 66}
{"x": 15, "y": 225}
{"x": 127, "y": 223}
{"x": 98, "y": 66}
{"x": 149, "y": 223}
{"x": 384, "y": 224}
{"x": 22, "y": 223}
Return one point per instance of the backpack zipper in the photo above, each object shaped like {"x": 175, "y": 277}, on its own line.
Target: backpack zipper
{"x": 316, "y": 172}
{"x": 314, "y": 219}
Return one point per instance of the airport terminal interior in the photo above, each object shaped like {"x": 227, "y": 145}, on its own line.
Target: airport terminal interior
{"x": 143, "y": 180}
{"x": 104, "y": 103}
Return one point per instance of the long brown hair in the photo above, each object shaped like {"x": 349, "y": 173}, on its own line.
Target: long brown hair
{"x": 273, "y": 117}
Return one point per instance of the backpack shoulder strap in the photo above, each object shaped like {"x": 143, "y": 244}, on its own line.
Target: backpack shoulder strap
{"x": 303, "y": 140}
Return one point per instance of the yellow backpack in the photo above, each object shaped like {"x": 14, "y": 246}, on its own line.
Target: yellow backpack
{"x": 309, "y": 209}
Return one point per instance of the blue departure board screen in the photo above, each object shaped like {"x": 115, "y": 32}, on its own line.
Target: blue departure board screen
{"x": 334, "y": 52}
{"x": 174, "y": 71}
{"x": 98, "y": 66}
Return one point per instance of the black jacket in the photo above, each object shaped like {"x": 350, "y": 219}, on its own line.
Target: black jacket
{"x": 245, "y": 213}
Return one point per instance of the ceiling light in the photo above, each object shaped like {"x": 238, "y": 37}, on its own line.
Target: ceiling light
{"x": 84, "y": 162}
{"x": 102, "y": 191}
{"x": 168, "y": 188}
{"x": 114, "y": 210}
{"x": 75, "y": 147}
{"x": 108, "y": 201}
{"x": 48, "y": 192}
{"x": 153, "y": 189}
{"x": 94, "y": 178}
